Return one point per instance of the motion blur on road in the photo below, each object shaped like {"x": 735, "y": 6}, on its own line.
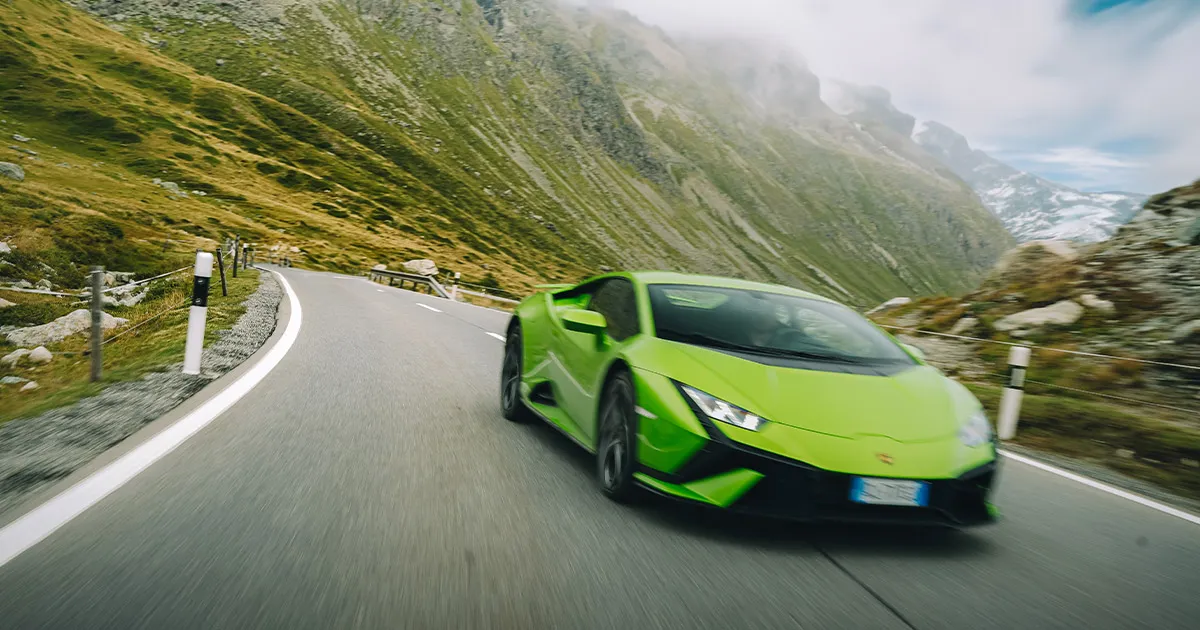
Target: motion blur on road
{"x": 370, "y": 481}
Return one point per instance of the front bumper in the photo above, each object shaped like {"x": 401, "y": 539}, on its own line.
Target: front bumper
{"x": 785, "y": 488}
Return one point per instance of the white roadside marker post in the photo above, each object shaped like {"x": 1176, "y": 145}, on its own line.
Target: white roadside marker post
{"x": 454, "y": 287}
{"x": 1010, "y": 401}
{"x": 198, "y": 313}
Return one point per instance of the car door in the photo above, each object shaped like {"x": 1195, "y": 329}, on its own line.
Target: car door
{"x": 586, "y": 357}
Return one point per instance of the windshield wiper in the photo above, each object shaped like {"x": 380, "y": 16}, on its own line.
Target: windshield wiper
{"x": 713, "y": 342}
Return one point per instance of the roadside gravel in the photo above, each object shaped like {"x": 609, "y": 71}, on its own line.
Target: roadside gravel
{"x": 42, "y": 449}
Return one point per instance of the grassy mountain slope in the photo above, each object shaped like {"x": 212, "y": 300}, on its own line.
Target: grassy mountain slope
{"x": 494, "y": 136}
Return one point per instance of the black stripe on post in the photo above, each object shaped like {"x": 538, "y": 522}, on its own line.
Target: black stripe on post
{"x": 200, "y": 291}
{"x": 1016, "y": 377}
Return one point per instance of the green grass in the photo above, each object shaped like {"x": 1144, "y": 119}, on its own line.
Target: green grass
{"x": 150, "y": 348}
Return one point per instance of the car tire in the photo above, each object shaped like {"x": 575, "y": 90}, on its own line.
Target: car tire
{"x": 511, "y": 405}
{"x": 616, "y": 455}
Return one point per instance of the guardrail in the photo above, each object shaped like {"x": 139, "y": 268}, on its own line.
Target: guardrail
{"x": 418, "y": 280}
{"x": 404, "y": 278}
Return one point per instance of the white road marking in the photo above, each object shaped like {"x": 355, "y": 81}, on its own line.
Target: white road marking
{"x": 45, "y": 519}
{"x": 429, "y": 307}
{"x": 1092, "y": 483}
{"x": 380, "y": 290}
{"x": 500, "y": 337}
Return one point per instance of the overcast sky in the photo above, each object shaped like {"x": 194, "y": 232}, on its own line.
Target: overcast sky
{"x": 1096, "y": 94}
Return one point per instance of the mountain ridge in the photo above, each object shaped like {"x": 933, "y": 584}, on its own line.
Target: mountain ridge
{"x": 1032, "y": 208}
{"x": 500, "y": 137}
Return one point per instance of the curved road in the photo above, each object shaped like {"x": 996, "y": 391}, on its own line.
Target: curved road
{"x": 369, "y": 481}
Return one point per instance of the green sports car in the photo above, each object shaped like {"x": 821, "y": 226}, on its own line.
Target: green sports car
{"x": 748, "y": 396}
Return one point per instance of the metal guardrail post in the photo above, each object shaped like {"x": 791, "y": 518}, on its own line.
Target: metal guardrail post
{"x": 221, "y": 266}
{"x": 1014, "y": 391}
{"x": 97, "y": 314}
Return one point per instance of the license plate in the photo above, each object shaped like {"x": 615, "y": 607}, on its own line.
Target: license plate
{"x": 889, "y": 492}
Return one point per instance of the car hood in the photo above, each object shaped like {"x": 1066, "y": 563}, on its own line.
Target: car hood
{"x": 914, "y": 405}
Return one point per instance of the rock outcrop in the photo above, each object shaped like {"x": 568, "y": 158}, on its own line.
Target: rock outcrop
{"x": 72, "y": 323}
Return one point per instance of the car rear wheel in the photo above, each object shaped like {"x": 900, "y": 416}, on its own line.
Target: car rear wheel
{"x": 615, "y": 452}
{"x": 513, "y": 407}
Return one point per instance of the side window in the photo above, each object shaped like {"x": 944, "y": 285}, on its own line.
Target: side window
{"x": 616, "y": 300}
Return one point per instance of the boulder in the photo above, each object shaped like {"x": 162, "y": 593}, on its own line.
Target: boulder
{"x": 12, "y": 171}
{"x": 31, "y": 385}
{"x": 1091, "y": 301}
{"x": 964, "y": 326}
{"x": 5, "y": 303}
{"x": 1063, "y": 313}
{"x": 422, "y": 267}
{"x": 19, "y": 138}
{"x": 379, "y": 267}
{"x": 40, "y": 355}
{"x": 5, "y": 248}
{"x": 110, "y": 280}
{"x": 70, "y": 324}
{"x": 1190, "y": 234}
{"x": 11, "y": 359}
{"x": 44, "y": 285}
{"x": 12, "y": 380}
{"x": 1187, "y": 333}
{"x": 890, "y": 304}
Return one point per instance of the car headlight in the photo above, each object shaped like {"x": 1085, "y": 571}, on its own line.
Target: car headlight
{"x": 976, "y": 431}
{"x": 722, "y": 411}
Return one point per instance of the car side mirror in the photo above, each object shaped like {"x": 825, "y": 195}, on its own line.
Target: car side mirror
{"x": 581, "y": 321}
{"x": 917, "y": 352}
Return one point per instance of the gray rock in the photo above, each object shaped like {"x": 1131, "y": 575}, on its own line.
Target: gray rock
{"x": 1063, "y": 313}
{"x": 110, "y": 280}
{"x": 379, "y": 267}
{"x": 220, "y": 62}
{"x": 422, "y": 267}
{"x": 5, "y": 248}
{"x": 72, "y": 323}
{"x": 890, "y": 304}
{"x": 1187, "y": 333}
{"x": 12, "y": 380}
{"x": 19, "y": 138}
{"x": 41, "y": 355}
{"x": 1124, "y": 453}
{"x": 1091, "y": 301}
{"x": 5, "y": 303}
{"x": 12, "y": 171}
{"x": 1190, "y": 234}
{"x": 44, "y": 285}
{"x": 31, "y": 385}
{"x": 964, "y": 326}
{"x": 170, "y": 187}
{"x": 23, "y": 284}
{"x": 11, "y": 359}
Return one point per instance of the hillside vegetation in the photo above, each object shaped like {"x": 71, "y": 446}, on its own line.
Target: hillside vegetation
{"x": 504, "y": 137}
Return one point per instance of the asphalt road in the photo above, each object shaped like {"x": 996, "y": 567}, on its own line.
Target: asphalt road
{"x": 370, "y": 481}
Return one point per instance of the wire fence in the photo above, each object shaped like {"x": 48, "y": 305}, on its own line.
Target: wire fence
{"x": 1033, "y": 369}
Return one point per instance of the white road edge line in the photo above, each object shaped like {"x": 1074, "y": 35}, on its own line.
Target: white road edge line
{"x": 45, "y": 519}
{"x": 1092, "y": 483}
{"x": 497, "y": 336}
{"x": 428, "y": 307}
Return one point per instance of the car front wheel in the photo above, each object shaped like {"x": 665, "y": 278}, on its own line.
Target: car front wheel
{"x": 511, "y": 405}
{"x": 615, "y": 452}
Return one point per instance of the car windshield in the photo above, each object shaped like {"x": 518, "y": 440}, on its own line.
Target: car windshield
{"x": 770, "y": 324}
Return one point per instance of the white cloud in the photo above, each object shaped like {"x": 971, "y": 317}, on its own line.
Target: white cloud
{"x": 1012, "y": 75}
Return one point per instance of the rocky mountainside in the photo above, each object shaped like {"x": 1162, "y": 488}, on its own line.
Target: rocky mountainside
{"x": 518, "y": 139}
{"x": 1135, "y": 295}
{"x": 1032, "y": 208}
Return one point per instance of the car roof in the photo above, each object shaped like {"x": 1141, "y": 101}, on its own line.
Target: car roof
{"x": 672, "y": 277}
